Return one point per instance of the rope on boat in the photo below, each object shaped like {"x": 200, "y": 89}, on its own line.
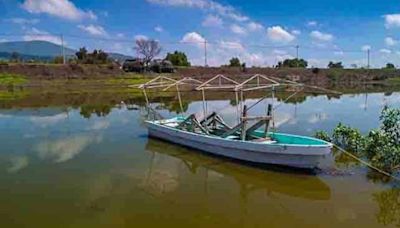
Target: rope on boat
{"x": 366, "y": 163}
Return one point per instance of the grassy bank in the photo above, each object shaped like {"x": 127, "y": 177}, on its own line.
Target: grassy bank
{"x": 7, "y": 79}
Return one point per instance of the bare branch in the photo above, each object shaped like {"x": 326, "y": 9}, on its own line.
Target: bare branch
{"x": 148, "y": 49}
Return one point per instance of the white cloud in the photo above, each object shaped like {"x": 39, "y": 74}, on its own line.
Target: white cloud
{"x": 18, "y": 163}
{"x": 253, "y": 26}
{"x": 95, "y": 30}
{"x": 312, "y": 23}
{"x": 64, "y": 149}
{"x": 99, "y": 125}
{"x": 316, "y": 63}
{"x": 23, "y": 21}
{"x": 385, "y": 51}
{"x": 392, "y": 20}
{"x": 212, "y": 21}
{"x": 59, "y": 8}
{"x": 141, "y": 37}
{"x": 320, "y": 36}
{"x": 238, "y": 29}
{"x": 231, "y": 45}
{"x": 283, "y": 57}
{"x": 1, "y": 41}
{"x": 194, "y": 38}
{"x": 120, "y": 35}
{"x": 158, "y": 28}
{"x": 279, "y": 52}
{"x": 238, "y": 17}
{"x": 36, "y": 34}
{"x": 278, "y": 34}
{"x": 254, "y": 59}
{"x": 44, "y": 121}
{"x": 338, "y": 53}
{"x": 296, "y": 32}
{"x": 389, "y": 41}
{"x": 366, "y": 47}
{"x": 206, "y": 5}
{"x": 318, "y": 117}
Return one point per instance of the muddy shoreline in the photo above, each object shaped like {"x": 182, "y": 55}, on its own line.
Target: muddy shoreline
{"x": 323, "y": 77}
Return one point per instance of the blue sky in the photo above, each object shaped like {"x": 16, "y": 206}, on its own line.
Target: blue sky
{"x": 260, "y": 32}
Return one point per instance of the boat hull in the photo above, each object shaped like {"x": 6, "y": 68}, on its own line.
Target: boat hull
{"x": 299, "y": 156}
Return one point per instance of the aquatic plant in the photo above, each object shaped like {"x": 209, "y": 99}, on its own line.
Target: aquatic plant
{"x": 381, "y": 147}
{"x": 12, "y": 79}
{"x": 347, "y": 137}
{"x": 323, "y": 135}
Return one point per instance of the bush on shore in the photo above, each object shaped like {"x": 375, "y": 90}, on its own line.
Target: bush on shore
{"x": 381, "y": 146}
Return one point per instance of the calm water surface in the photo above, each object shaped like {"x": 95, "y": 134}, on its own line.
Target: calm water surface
{"x": 70, "y": 167}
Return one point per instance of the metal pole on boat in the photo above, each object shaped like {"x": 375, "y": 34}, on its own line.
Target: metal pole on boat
{"x": 244, "y": 121}
{"x": 204, "y": 103}
{"x": 179, "y": 98}
{"x": 272, "y": 103}
{"x": 237, "y": 106}
{"x": 145, "y": 96}
{"x": 241, "y": 101}
{"x": 147, "y": 103}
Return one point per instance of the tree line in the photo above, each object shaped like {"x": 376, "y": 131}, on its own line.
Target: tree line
{"x": 148, "y": 49}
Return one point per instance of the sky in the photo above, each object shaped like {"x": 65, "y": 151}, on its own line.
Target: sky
{"x": 259, "y": 32}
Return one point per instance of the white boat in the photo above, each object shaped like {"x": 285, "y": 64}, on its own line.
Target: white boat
{"x": 280, "y": 149}
{"x": 243, "y": 141}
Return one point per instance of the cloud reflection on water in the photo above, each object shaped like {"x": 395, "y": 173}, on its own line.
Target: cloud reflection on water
{"x": 45, "y": 121}
{"x": 18, "y": 163}
{"x": 64, "y": 149}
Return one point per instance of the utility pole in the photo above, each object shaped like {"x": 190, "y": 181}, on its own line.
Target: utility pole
{"x": 297, "y": 55}
{"x": 205, "y": 53}
{"x": 368, "y": 59}
{"x": 62, "y": 48}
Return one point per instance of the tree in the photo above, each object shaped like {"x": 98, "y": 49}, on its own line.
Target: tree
{"x": 354, "y": 66}
{"x": 178, "y": 58}
{"x": 148, "y": 49}
{"x": 335, "y": 65}
{"x": 96, "y": 57}
{"x": 234, "y": 62}
{"x": 390, "y": 66}
{"x": 15, "y": 57}
{"x": 81, "y": 54}
{"x": 58, "y": 60}
{"x": 301, "y": 63}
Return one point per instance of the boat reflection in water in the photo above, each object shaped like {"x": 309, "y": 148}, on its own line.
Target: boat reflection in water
{"x": 250, "y": 179}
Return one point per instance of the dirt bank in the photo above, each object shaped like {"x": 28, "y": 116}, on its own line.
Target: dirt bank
{"x": 312, "y": 76}
{"x": 59, "y": 71}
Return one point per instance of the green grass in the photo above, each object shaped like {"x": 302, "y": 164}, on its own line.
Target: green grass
{"x": 395, "y": 80}
{"x": 129, "y": 79}
{"x": 12, "y": 96}
{"x": 12, "y": 79}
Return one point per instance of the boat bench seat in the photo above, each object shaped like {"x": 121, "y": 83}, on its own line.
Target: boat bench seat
{"x": 266, "y": 140}
{"x": 172, "y": 124}
{"x": 232, "y": 137}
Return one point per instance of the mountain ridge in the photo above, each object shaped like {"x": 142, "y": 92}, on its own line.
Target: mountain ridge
{"x": 43, "y": 50}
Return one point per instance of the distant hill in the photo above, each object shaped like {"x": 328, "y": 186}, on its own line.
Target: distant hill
{"x": 118, "y": 57}
{"x": 42, "y": 50}
{"x": 35, "y": 48}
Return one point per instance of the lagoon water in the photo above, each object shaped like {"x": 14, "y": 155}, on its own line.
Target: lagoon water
{"x": 81, "y": 166}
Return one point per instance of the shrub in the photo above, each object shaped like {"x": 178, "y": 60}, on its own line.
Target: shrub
{"x": 381, "y": 146}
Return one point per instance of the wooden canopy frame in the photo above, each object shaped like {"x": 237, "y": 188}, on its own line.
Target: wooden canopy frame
{"x": 258, "y": 85}
{"x": 208, "y": 84}
{"x": 159, "y": 81}
{"x": 184, "y": 81}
